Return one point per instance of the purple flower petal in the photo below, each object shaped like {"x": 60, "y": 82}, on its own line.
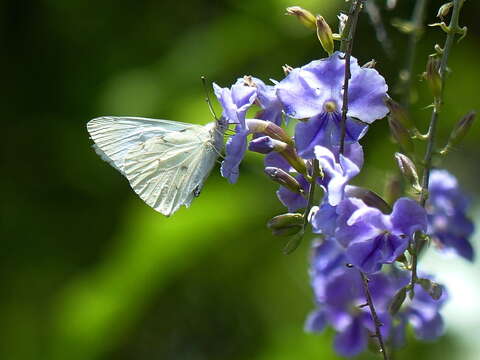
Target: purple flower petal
{"x": 366, "y": 93}
{"x": 324, "y": 129}
{"x": 316, "y": 321}
{"x": 408, "y": 216}
{"x": 235, "y": 101}
{"x": 294, "y": 201}
{"x": 351, "y": 341}
{"x": 235, "y": 151}
{"x": 367, "y": 254}
{"x": 262, "y": 145}
{"x": 274, "y": 159}
{"x": 324, "y": 220}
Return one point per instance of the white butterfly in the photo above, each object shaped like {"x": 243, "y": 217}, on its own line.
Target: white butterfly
{"x": 166, "y": 162}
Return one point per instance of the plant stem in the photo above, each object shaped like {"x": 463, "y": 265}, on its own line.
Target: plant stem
{"x": 454, "y": 29}
{"x": 295, "y": 241}
{"x": 417, "y": 21}
{"x": 376, "y": 320}
{"x": 347, "y": 46}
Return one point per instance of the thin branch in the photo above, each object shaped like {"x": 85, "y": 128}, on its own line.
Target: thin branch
{"x": 297, "y": 239}
{"x": 347, "y": 46}
{"x": 376, "y": 19}
{"x": 453, "y": 30}
{"x": 376, "y": 321}
{"x": 407, "y": 73}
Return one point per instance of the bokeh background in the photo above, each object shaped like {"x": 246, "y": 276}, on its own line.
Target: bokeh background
{"x": 89, "y": 272}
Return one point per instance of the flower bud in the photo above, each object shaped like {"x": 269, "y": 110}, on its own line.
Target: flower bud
{"x": 278, "y": 133}
{"x": 370, "y": 65}
{"x": 305, "y": 16}
{"x": 432, "y": 75}
{"x": 287, "y": 69}
{"x": 286, "y": 224}
{"x": 369, "y": 197}
{"x": 283, "y": 178}
{"x": 400, "y": 134}
{"x": 434, "y": 289}
{"x": 444, "y": 10}
{"x": 461, "y": 129}
{"x": 324, "y": 34}
{"x": 399, "y": 113}
{"x": 397, "y": 301}
{"x": 290, "y": 154}
{"x": 265, "y": 145}
{"x": 393, "y": 189}
{"x": 408, "y": 170}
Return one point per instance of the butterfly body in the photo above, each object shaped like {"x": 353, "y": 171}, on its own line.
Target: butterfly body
{"x": 165, "y": 162}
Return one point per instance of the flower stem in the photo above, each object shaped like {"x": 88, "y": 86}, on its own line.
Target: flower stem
{"x": 376, "y": 321}
{"x": 453, "y": 30}
{"x": 295, "y": 241}
{"x": 417, "y": 23}
{"x": 347, "y": 46}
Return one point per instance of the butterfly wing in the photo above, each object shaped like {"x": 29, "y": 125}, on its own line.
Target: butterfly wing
{"x": 167, "y": 171}
{"x": 114, "y": 136}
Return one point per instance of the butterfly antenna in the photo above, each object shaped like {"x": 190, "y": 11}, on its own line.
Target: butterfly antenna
{"x": 207, "y": 98}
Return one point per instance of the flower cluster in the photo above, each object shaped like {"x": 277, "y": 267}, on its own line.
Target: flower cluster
{"x": 361, "y": 236}
{"x": 449, "y": 226}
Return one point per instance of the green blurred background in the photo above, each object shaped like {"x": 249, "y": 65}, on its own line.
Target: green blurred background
{"x": 89, "y": 272}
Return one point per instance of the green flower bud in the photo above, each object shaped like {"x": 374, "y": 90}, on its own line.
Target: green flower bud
{"x": 278, "y": 133}
{"x": 324, "y": 34}
{"x": 460, "y": 130}
{"x": 399, "y": 113}
{"x": 400, "y": 134}
{"x": 283, "y": 178}
{"x": 444, "y": 10}
{"x": 393, "y": 189}
{"x": 370, "y": 65}
{"x": 286, "y": 224}
{"x": 408, "y": 170}
{"x": 369, "y": 197}
{"x": 397, "y": 301}
{"x": 305, "y": 16}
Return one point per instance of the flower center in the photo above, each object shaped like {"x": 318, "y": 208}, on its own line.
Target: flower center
{"x": 330, "y": 106}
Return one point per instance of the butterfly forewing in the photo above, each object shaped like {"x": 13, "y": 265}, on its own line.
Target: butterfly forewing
{"x": 166, "y": 171}
{"x": 114, "y": 137}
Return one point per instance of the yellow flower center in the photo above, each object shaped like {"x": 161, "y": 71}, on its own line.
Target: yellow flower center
{"x": 330, "y": 106}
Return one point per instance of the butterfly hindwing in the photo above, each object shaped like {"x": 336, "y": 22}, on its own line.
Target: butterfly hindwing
{"x": 167, "y": 171}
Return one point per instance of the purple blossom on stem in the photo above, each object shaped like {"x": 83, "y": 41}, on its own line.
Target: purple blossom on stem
{"x": 314, "y": 92}
{"x": 339, "y": 293}
{"x": 337, "y": 173}
{"x": 376, "y": 238}
{"x": 448, "y": 223}
{"x": 422, "y": 312}
{"x": 235, "y": 103}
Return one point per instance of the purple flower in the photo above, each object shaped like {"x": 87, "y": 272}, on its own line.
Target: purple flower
{"x": 314, "y": 92}
{"x": 448, "y": 223}
{"x": 422, "y": 312}
{"x": 235, "y": 103}
{"x": 337, "y": 173}
{"x": 375, "y": 238}
{"x": 339, "y": 294}
{"x": 272, "y": 109}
